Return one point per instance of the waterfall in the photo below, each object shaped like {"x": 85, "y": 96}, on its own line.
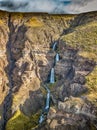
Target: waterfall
{"x": 57, "y": 57}
{"x": 41, "y": 119}
{"x": 54, "y": 46}
{"x": 52, "y": 77}
{"x": 47, "y": 100}
{"x": 47, "y": 106}
{"x": 52, "y": 80}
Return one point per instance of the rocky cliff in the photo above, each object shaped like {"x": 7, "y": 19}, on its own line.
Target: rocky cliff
{"x": 27, "y": 57}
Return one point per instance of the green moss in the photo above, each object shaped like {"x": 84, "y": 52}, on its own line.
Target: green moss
{"x": 34, "y": 22}
{"x": 3, "y": 18}
{"x": 84, "y": 38}
{"x": 17, "y": 16}
{"x": 92, "y": 80}
{"x": 21, "y": 122}
{"x": 92, "y": 86}
{"x": 51, "y": 86}
{"x": 1, "y": 22}
{"x": 43, "y": 90}
{"x": 92, "y": 127}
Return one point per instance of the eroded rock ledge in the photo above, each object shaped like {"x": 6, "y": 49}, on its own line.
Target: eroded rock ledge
{"x": 26, "y": 65}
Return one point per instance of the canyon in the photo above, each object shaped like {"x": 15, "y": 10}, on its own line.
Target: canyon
{"x": 26, "y": 60}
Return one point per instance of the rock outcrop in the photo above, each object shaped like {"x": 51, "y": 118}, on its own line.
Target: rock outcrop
{"x": 26, "y": 58}
{"x": 4, "y": 87}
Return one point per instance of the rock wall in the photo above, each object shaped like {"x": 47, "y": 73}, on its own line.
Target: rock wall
{"x": 25, "y": 44}
{"x": 26, "y": 61}
{"x": 4, "y": 87}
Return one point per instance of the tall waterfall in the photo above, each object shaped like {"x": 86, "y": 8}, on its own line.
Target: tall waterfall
{"x": 54, "y": 46}
{"x": 52, "y": 80}
{"x": 47, "y": 106}
{"x": 57, "y": 57}
{"x": 47, "y": 99}
{"x": 52, "y": 77}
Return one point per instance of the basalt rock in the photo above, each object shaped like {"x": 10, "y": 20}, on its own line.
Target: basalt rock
{"x": 25, "y": 64}
{"x": 72, "y": 114}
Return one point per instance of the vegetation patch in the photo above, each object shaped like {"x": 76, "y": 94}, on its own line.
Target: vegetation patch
{"x": 92, "y": 86}
{"x": 51, "y": 86}
{"x": 21, "y": 122}
{"x": 87, "y": 54}
{"x": 43, "y": 90}
{"x": 16, "y": 16}
{"x": 84, "y": 38}
{"x": 1, "y": 22}
{"x": 3, "y": 18}
{"x": 34, "y": 22}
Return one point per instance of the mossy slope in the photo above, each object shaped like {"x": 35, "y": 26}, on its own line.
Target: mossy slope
{"x": 92, "y": 86}
{"x": 84, "y": 38}
{"x": 21, "y": 122}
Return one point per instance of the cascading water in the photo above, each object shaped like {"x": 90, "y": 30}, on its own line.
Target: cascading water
{"x": 41, "y": 119}
{"x": 54, "y": 46}
{"x": 57, "y": 57}
{"x": 47, "y": 106}
{"x": 47, "y": 100}
{"x": 52, "y": 80}
{"x": 52, "y": 77}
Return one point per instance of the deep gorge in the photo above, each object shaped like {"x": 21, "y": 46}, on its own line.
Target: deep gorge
{"x": 28, "y": 71}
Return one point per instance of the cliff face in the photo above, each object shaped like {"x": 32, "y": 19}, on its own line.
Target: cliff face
{"x": 3, "y": 62}
{"x": 26, "y": 60}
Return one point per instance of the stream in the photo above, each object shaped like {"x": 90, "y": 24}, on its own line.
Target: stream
{"x": 45, "y": 111}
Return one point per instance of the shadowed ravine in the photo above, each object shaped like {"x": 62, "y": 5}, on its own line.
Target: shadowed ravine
{"x": 52, "y": 81}
{"x": 10, "y": 67}
{"x": 47, "y": 76}
{"x": 7, "y": 111}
